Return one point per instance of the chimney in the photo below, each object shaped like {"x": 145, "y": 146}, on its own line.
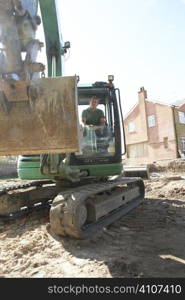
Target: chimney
{"x": 142, "y": 94}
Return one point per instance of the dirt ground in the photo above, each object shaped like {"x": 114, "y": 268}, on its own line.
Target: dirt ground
{"x": 147, "y": 242}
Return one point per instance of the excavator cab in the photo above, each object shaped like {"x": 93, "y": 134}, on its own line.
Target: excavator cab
{"x": 102, "y": 143}
{"x": 97, "y": 140}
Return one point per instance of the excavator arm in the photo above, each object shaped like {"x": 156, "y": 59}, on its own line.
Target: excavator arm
{"x": 53, "y": 37}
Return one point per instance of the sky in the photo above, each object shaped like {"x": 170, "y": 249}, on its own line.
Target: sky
{"x": 140, "y": 42}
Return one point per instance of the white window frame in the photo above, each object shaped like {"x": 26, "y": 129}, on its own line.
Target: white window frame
{"x": 181, "y": 117}
{"x": 151, "y": 121}
{"x": 131, "y": 126}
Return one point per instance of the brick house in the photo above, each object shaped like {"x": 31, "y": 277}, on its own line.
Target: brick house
{"x": 154, "y": 131}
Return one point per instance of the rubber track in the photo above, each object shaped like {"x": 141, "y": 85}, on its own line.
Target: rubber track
{"x": 27, "y": 210}
{"x": 64, "y": 209}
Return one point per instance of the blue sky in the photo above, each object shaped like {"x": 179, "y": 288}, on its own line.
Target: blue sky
{"x": 141, "y": 42}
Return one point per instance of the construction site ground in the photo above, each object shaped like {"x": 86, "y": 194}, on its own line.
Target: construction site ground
{"x": 147, "y": 242}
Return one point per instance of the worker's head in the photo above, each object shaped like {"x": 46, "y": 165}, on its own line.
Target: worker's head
{"x": 94, "y": 102}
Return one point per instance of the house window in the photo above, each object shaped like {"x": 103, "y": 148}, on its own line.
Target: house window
{"x": 181, "y": 117}
{"x": 151, "y": 121}
{"x": 165, "y": 141}
{"x": 131, "y": 127}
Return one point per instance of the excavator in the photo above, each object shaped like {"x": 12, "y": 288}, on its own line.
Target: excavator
{"x": 73, "y": 170}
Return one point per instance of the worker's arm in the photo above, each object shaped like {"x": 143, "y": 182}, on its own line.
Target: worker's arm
{"x": 102, "y": 121}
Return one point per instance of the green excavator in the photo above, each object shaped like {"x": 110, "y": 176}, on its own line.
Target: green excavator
{"x": 73, "y": 170}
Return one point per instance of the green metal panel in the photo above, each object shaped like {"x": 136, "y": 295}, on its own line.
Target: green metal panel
{"x": 103, "y": 170}
{"x": 29, "y": 168}
{"x": 31, "y": 174}
{"x": 53, "y": 37}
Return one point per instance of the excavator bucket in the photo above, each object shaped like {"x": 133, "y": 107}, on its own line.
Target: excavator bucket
{"x": 39, "y": 116}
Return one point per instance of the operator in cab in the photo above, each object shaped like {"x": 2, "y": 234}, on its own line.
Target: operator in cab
{"x": 94, "y": 119}
{"x": 93, "y": 116}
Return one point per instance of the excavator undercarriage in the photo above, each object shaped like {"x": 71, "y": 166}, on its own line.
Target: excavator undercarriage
{"x": 78, "y": 211}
